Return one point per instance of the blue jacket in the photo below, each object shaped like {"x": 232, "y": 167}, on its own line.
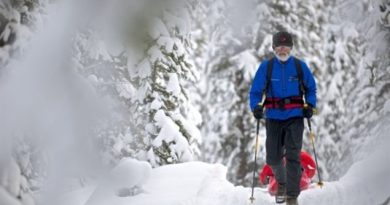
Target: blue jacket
{"x": 284, "y": 83}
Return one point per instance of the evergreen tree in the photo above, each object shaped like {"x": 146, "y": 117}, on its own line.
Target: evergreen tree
{"x": 368, "y": 97}
{"x": 163, "y": 109}
{"x": 17, "y": 20}
{"x": 149, "y": 78}
{"x": 227, "y": 60}
{"x": 207, "y": 38}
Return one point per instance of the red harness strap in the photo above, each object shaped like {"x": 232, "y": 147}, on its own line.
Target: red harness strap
{"x": 284, "y": 103}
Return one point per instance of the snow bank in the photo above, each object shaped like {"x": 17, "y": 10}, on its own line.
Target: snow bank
{"x": 125, "y": 180}
{"x": 366, "y": 182}
{"x": 198, "y": 183}
{"x": 192, "y": 183}
{"x": 6, "y": 198}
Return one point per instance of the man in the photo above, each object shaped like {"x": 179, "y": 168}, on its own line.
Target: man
{"x": 289, "y": 90}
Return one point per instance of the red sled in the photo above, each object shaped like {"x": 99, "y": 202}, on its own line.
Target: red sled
{"x": 308, "y": 172}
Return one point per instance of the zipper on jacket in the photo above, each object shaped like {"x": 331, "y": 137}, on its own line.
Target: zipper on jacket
{"x": 283, "y": 78}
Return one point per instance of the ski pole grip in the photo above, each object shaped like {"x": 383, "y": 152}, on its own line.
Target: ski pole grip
{"x": 311, "y": 135}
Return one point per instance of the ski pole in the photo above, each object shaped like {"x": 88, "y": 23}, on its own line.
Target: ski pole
{"x": 320, "y": 183}
{"x": 252, "y": 199}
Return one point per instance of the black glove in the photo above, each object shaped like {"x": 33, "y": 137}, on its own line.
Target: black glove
{"x": 258, "y": 112}
{"x": 307, "y": 111}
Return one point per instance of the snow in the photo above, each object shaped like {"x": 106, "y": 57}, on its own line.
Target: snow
{"x": 135, "y": 182}
{"x": 13, "y": 178}
{"x": 170, "y": 134}
{"x": 386, "y": 106}
{"x": 167, "y": 43}
{"x": 77, "y": 197}
{"x": 125, "y": 90}
{"x": 158, "y": 29}
{"x": 6, "y": 198}
{"x": 141, "y": 92}
{"x": 248, "y": 63}
{"x": 173, "y": 84}
{"x": 97, "y": 49}
{"x": 174, "y": 21}
{"x": 144, "y": 68}
{"x": 156, "y": 104}
{"x": 314, "y": 36}
{"x": 199, "y": 183}
{"x": 155, "y": 54}
{"x": 266, "y": 46}
{"x": 190, "y": 127}
{"x": 129, "y": 175}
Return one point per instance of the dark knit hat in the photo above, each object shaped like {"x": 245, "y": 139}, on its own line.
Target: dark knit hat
{"x": 282, "y": 38}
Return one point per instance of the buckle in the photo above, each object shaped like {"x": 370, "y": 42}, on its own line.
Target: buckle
{"x": 281, "y": 104}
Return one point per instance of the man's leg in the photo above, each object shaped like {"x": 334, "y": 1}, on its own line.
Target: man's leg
{"x": 274, "y": 149}
{"x": 293, "y": 145}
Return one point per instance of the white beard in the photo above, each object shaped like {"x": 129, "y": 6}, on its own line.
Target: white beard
{"x": 284, "y": 58}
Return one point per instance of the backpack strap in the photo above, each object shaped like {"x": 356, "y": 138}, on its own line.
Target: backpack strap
{"x": 269, "y": 75}
{"x": 298, "y": 66}
{"x": 268, "y": 79}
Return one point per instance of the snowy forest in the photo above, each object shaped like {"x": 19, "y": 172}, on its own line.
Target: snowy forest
{"x": 87, "y": 84}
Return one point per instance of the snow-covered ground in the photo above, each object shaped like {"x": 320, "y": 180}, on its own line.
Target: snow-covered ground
{"x": 136, "y": 183}
{"x": 198, "y": 183}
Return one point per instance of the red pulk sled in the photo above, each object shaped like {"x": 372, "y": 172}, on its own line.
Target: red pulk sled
{"x": 309, "y": 170}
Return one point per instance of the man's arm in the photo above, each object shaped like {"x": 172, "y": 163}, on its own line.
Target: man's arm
{"x": 258, "y": 84}
{"x": 311, "y": 88}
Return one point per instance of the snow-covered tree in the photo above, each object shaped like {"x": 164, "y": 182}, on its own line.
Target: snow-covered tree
{"x": 206, "y": 38}
{"x": 148, "y": 76}
{"x": 20, "y": 161}
{"x": 340, "y": 48}
{"x": 163, "y": 111}
{"x": 17, "y": 20}
{"x": 368, "y": 95}
{"x": 226, "y": 57}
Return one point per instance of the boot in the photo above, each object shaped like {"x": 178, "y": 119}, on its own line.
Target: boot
{"x": 291, "y": 200}
{"x": 280, "y": 196}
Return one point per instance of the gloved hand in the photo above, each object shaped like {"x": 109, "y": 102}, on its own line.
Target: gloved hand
{"x": 308, "y": 111}
{"x": 258, "y": 112}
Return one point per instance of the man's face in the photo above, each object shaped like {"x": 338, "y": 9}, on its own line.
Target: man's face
{"x": 283, "y": 51}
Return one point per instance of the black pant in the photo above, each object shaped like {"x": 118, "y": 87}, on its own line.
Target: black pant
{"x": 284, "y": 138}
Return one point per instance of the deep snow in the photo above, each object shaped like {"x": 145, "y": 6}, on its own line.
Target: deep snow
{"x": 198, "y": 183}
